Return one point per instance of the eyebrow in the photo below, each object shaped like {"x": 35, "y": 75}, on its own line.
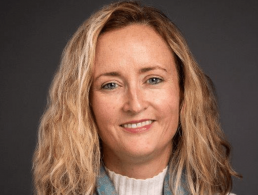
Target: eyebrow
{"x": 142, "y": 70}
{"x": 114, "y": 74}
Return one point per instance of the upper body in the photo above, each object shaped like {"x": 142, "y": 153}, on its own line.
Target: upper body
{"x": 129, "y": 94}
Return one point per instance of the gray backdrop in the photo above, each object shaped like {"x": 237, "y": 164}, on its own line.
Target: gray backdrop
{"x": 222, "y": 35}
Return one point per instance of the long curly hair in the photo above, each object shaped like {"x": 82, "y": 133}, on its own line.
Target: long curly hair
{"x": 67, "y": 157}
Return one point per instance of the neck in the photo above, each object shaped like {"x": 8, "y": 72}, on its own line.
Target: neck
{"x": 137, "y": 167}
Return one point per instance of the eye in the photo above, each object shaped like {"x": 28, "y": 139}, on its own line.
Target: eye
{"x": 154, "y": 80}
{"x": 110, "y": 86}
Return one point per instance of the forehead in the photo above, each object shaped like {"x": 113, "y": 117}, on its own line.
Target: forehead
{"x": 139, "y": 32}
{"x": 135, "y": 44}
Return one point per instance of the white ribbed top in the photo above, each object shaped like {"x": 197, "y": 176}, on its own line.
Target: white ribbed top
{"x": 130, "y": 186}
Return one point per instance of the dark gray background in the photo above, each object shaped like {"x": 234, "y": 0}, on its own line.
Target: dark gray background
{"x": 222, "y": 34}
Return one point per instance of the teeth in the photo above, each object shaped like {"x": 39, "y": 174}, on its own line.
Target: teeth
{"x": 135, "y": 125}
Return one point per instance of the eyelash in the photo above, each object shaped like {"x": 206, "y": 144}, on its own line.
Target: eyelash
{"x": 151, "y": 81}
{"x": 155, "y": 80}
{"x": 109, "y": 86}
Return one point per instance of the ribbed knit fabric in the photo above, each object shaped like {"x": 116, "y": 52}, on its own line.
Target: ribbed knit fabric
{"x": 130, "y": 186}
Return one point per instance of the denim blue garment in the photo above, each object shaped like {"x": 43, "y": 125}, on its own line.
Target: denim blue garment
{"x": 106, "y": 187}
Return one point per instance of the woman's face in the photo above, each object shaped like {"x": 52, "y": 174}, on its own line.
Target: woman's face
{"x": 135, "y": 94}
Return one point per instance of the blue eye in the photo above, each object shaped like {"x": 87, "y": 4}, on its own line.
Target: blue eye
{"x": 154, "y": 80}
{"x": 110, "y": 86}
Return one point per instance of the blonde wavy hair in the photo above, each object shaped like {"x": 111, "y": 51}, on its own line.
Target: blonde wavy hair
{"x": 68, "y": 156}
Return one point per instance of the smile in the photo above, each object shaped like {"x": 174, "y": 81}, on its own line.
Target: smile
{"x": 137, "y": 125}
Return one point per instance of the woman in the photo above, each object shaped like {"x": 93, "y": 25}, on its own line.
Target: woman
{"x": 130, "y": 112}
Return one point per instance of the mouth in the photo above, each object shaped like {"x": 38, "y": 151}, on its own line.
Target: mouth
{"x": 135, "y": 124}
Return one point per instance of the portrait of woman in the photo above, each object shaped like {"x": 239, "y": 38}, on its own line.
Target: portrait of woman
{"x": 131, "y": 112}
{"x": 153, "y": 97}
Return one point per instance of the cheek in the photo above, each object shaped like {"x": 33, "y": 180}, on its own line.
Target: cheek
{"x": 99, "y": 108}
{"x": 106, "y": 113}
{"x": 167, "y": 101}
{"x": 104, "y": 109}
{"x": 167, "y": 105}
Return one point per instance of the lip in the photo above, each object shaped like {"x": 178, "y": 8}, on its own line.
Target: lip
{"x": 137, "y": 121}
{"x": 139, "y": 129}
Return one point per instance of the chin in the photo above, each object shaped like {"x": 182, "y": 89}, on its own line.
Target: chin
{"x": 142, "y": 153}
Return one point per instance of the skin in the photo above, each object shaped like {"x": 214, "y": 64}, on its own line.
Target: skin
{"x": 135, "y": 78}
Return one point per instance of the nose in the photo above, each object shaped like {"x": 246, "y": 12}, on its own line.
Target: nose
{"x": 135, "y": 100}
